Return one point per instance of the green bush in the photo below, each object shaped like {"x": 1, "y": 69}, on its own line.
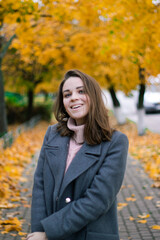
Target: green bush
{"x": 18, "y": 114}
{"x": 15, "y": 99}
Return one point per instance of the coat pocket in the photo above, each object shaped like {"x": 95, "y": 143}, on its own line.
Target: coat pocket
{"x": 101, "y": 236}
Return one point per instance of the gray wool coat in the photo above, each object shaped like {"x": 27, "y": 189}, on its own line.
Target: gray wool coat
{"x": 80, "y": 204}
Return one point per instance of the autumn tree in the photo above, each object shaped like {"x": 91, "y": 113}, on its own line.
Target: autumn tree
{"x": 16, "y": 12}
{"x": 111, "y": 42}
{"x": 139, "y": 23}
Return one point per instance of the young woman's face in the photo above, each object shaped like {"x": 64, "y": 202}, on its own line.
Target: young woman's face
{"x": 75, "y": 100}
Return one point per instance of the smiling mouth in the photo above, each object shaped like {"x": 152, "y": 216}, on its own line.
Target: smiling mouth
{"x": 76, "y": 106}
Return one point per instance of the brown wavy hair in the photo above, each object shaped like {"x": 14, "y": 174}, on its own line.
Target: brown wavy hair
{"x": 97, "y": 127}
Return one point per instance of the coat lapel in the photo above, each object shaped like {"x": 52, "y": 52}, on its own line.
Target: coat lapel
{"x": 83, "y": 160}
{"x": 56, "y": 153}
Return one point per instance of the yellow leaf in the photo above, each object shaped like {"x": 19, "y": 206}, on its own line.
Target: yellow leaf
{"x": 130, "y": 199}
{"x": 27, "y": 205}
{"x": 148, "y": 197}
{"x": 156, "y": 227}
{"x": 142, "y": 221}
{"x": 121, "y": 205}
{"x": 144, "y": 216}
{"x": 131, "y": 218}
{"x": 22, "y": 233}
{"x": 22, "y": 179}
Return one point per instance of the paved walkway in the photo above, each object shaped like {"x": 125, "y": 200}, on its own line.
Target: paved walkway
{"x": 136, "y": 187}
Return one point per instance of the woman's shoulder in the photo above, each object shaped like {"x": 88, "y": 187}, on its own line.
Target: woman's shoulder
{"x": 51, "y": 131}
{"x": 119, "y": 136}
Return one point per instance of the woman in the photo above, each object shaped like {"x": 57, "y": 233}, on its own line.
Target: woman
{"x": 80, "y": 168}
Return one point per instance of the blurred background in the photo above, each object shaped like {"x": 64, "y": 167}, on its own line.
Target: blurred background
{"x": 117, "y": 43}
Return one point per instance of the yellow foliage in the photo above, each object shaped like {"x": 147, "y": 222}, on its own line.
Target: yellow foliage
{"x": 13, "y": 161}
{"x": 156, "y": 227}
{"x": 142, "y": 221}
{"x": 131, "y": 218}
{"x": 144, "y": 148}
{"x": 148, "y": 197}
{"x": 144, "y": 216}
{"x": 12, "y": 224}
{"x": 130, "y": 199}
{"x": 120, "y": 206}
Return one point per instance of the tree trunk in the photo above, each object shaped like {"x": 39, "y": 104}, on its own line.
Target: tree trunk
{"x": 3, "y": 116}
{"x": 30, "y": 94}
{"x": 140, "y": 105}
{"x": 115, "y": 101}
{"x": 141, "y": 127}
{"x": 141, "y": 96}
{"x": 117, "y": 107}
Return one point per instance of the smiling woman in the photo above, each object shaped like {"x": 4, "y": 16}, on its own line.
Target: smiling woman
{"x": 75, "y": 100}
{"x": 80, "y": 169}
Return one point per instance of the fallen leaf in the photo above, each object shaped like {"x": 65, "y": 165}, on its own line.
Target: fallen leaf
{"x": 121, "y": 205}
{"x": 131, "y": 199}
{"x": 156, "y": 227}
{"x": 130, "y": 186}
{"x": 144, "y": 216}
{"x": 13, "y": 234}
{"x": 142, "y": 221}
{"x": 156, "y": 185}
{"x": 22, "y": 233}
{"x": 27, "y": 205}
{"x": 158, "y": 204}
{"x": 22, "y": 179}
{"x": 9, "y": 205}
{"x": 131, "y": 218}
{"x": 148, "y": 197}
{"x": 12, "y": 224}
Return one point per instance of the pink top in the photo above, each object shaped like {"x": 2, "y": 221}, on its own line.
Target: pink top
{"x": 76, "y": 141}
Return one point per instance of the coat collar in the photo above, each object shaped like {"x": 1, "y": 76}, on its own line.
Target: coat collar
{"x": 56, "y": 151}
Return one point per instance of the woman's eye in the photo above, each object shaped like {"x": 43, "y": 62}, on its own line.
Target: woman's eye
{"x": 81, "y": 91}
{"x": 67, "y": 95}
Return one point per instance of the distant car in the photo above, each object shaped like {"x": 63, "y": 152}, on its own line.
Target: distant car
{"x": 152, "y": 102}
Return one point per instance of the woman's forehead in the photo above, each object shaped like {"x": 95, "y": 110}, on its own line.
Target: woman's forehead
{"x": 72, "y": 83}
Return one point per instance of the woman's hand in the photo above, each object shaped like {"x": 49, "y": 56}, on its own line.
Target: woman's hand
{"x": 37, "y": 236}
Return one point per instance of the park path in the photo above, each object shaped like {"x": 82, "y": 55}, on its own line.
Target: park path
{"x": 136, "y": 186}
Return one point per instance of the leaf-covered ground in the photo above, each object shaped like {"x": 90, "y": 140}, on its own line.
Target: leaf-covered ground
{"x": 144, "y": 148}
{"x": 13, "y": 161}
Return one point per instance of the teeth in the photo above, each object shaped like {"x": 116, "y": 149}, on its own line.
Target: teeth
{"x": 76, "y": 106}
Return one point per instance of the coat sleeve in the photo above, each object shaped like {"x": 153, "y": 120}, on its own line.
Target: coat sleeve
{"x": 38, "y": 208}
{"x": 97, "y": 199}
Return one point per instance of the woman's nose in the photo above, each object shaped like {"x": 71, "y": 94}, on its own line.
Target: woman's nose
{"x": 74, "y": 96}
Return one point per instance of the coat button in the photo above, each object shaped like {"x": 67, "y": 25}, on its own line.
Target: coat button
{"x": 67, "y": 200}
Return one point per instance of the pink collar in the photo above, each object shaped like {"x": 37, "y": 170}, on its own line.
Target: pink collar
{"x": 78, "y": 130}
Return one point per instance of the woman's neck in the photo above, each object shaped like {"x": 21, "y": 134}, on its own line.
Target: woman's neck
{"x": 77, "y": 129}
